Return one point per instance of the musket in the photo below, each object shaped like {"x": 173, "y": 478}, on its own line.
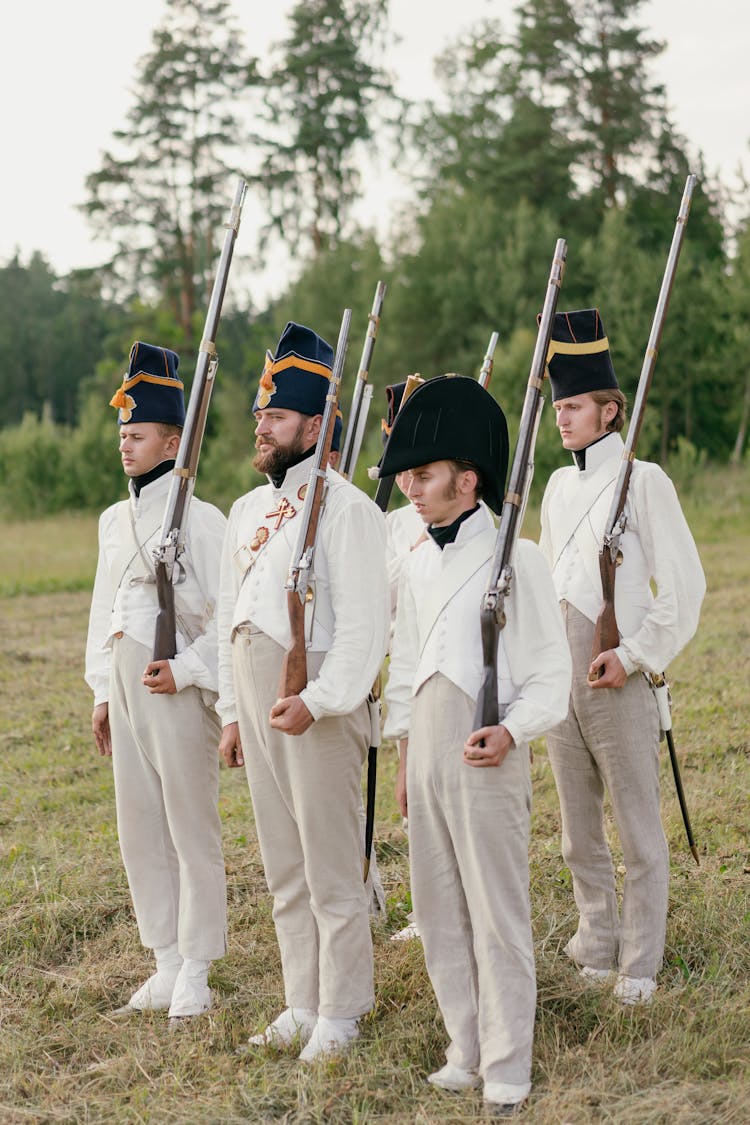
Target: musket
{"x": 174, "y": 525}
{"x": 299, "y": 581}
{"x": 492, "y": 615}
{"x": 363, "y": 389}
{"x": 486, "y": 372}
{"x": 606, "y": 632}
{"x": 385, "y": 484}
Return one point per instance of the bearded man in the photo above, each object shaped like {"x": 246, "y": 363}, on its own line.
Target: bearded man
{"x": 304, "y": 753}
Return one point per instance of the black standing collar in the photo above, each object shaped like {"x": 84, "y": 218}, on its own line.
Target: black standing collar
{"x": 445, "y": 535}
{"x": 152, "y": 475}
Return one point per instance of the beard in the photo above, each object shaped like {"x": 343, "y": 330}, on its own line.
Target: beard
{"x": 277, "y": 461}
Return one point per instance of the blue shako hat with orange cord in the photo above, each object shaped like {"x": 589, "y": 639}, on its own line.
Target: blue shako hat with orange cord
{"x": 151, "y": 390}
{"x": 297, "y": 376}
{"x": 578, "y": 359}
{"x": 451, "y": 418}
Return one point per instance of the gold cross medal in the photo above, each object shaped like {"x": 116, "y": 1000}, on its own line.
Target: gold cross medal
{"x": 285, "y": 511}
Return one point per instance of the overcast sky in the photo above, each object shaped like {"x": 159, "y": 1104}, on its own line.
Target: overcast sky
{"x": 69, "y": 67}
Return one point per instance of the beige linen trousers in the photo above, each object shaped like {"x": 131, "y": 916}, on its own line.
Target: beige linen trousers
{"x": 468, "y": 846}
{"x": 166, "y": 772}
{"x": 306, "y": 794}
{"x": 610, "y": 739}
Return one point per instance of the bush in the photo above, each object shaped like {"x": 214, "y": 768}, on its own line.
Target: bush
{"x": 47, "y": 468}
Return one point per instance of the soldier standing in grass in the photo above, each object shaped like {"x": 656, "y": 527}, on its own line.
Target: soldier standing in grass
{"x": 467, "y": 792}
{"x": 610, "y": 738}
{"x": 156, "y": 718}
{"x": 304, "y": 754}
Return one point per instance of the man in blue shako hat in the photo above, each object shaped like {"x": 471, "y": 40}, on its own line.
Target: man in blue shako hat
{"x": 156, "y": 718}
{"x": 467, "y": 792}
{"x": 304, "y": 754}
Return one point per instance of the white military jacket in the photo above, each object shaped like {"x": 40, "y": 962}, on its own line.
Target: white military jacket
{"x": 438, "y": 630}
{"x": 348, "y": 615}
{"x": 124, "y": 598}
{"x": 656, "y": 545}
{"x": 403, "y": 527}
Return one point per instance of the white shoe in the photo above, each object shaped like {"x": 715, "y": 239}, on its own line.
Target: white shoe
{"x": 454, "y": 1078}
{"x": 504, "y": 1100}
{"x": 191, "y": 995}
{"x": 595, "y": 976}
{"x": 634, "y": 990}
{"x": 330, "y": 1037}
{"x": 154, "y": 995}
{"x": 407, "y": 934}
{"x": 291, "y": 1023}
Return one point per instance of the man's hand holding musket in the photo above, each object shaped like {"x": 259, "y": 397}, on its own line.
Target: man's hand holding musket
{"x": 158, "y": 677}
{"x": 450, "y": 442}
{"x": 289, "y": 714}
{"x": 487, "y": 715}
{"x": 606, "y": 669}
{"x": 303, "y": 745}
{"x": 594, "y": 529}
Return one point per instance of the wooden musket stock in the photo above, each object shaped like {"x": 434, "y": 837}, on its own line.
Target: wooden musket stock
{"x": 298, "y": 584}
{"x": 606, "y": 633}
{"x": 174, "y": 524}
{"x": 492, "y": 615}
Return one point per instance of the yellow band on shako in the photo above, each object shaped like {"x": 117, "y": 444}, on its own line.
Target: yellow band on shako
{"x": 279, "y": 365}
{"x": 559, "y": 347}
{"x": 160, "y": 380}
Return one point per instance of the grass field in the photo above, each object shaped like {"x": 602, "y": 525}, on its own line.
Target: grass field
{"x": 70, "y": 954}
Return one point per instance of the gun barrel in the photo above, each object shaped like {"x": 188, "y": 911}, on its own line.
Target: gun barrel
{"x": 361, "y": 399}
{"x": 174, "y": 524}
{"x": 499, "y": 582}
{"x": 485, "y": 373}
{"x": 649, "y": 359}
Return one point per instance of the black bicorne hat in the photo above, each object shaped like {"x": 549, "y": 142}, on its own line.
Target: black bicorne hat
{"x": 578, "y": 359}
{"x": 451, "y": 418}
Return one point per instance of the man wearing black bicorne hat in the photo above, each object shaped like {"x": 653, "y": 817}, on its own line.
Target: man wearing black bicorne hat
{"x": 610, "y": 738}
{"x": 467, "y": 793}
{"x": 156, "y": 718}
{"x": 304, "y": 754}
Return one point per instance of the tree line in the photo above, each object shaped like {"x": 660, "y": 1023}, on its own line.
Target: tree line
{"x": 550, "y": 127}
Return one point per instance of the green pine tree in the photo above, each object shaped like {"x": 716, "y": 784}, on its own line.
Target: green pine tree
{"x": 161, "y": 197}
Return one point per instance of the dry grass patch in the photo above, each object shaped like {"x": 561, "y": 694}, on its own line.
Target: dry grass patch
{"x": 69, "y": 952}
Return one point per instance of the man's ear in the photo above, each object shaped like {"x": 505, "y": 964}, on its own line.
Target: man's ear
{"x": 173, "y": 444}
{"x": 312, "y": 429}
{"x": 610, "y": 411}
{"x": 468, "y": 482}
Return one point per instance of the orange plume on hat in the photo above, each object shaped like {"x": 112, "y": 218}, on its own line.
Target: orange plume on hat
{"x": 123, "y": 402}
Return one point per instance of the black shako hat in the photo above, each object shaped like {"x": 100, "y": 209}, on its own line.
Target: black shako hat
{"x": 151, "y": 389}
{"x": 451, "y": 418}
{"x": 578, "y": 359}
